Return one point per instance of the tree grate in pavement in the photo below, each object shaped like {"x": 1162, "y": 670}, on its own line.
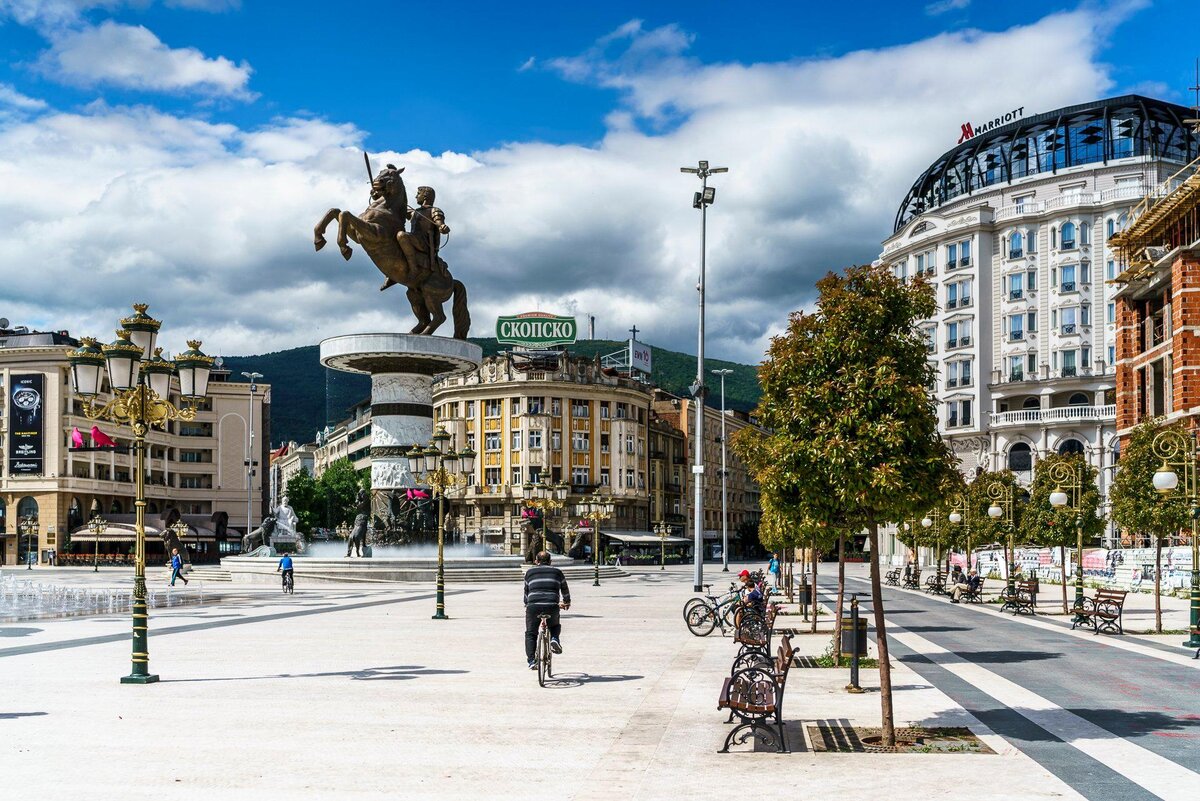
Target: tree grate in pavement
{"x": 838, "y": 736}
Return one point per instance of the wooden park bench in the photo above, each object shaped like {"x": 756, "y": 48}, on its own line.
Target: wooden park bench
{"x": 754, "y": 695}
{"x": 1021, "y": 598}
{"x": 753, "y": 635}
{"x": 1102, "y": 611}
{"x": 913, "y": 582}
{"x": 974, "y": 596}
{"x": 936, "y": 584}
{"x": 892, "y": 577}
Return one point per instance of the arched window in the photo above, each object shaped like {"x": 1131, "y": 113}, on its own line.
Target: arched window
{"x": 116, "y": 508}
{"x": 1031, "y": 403}
{"x": 1109, "y": 231}
{"x": 75, "y": 515}
{"x": 1053, "y": 238}
{"x": 1069, "y": 446}
{"x": 1078, "y": 399}
{"x": 1014, "y": 245}
{"x": 152, "y": 508}
{"x": 1068, "y": 236}
{"x": 1084, "y": 235}
{"x": 1020, "y": 457}
{"x": 27, "y": 507}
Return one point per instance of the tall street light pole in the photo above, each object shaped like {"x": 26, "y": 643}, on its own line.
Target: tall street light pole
{"x": 98, "y": 525}
{"x": 702, "y": 200}
{"x": 1178, "y": 451}
{"x": 441, "y": 469}
{"x": 1002, "y": 509}
{"x": 724, "y": 477}
{"x": 1069, "y": 476}
{"x": 140, "y": 381}
{"x": 252, "y": 378}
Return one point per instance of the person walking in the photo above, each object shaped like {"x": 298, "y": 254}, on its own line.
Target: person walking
{"x": 773, "y": 569}
{"x": 177, "y": 567}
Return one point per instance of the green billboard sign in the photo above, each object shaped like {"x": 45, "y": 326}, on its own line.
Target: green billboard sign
{"x": 535, "y": 330}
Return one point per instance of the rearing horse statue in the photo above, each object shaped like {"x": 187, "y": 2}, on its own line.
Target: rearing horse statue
{"x": 377, "y": 229}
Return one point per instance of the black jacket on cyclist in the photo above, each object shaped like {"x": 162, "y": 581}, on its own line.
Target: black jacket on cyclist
{"x": 544, "y": 585}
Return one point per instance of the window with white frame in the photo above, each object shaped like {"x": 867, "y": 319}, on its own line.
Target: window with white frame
{"x": 581, "y": 441}
{"x": 1110, "y": 269}
{"x": 1016, "y": 327}
{"x": 536, "y": 404}
{"x": 958, "y": 413}
{"x": 493, "y": 407}
{"x": 516, "y": 440}
{"x": 516, "y": 477}
{"x": 1110, "y": 313}
{"x": 1015, "y": 245}
{"x": 1016, "y": 287}
{"x": 580, "y": 475}
{"x": 930, "y": 334}
{"x": 958, "y": 373}
{"x": 535, "y": 438}
{"x": 958, "y": 333}
{"x": 556, "y": 440}
{"x": 1016, "y": 368}
{"x": 958, "y": 294}
{"x": 491, "y": 441}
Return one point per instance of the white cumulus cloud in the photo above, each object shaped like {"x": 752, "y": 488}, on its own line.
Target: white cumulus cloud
{"x": 133, "y": 57}
{"x": 212, "y": 224}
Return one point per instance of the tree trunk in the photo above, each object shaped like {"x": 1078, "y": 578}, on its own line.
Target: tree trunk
{"x": 1158, "y": 585}
{"x": 1062, "y": 554}
{"x": 885, "y": 668}
{"x": 841, "y": 594}
{"x": 813, "y": 630}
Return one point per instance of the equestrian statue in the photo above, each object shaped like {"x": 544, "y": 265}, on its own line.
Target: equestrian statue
{"x": 408, "y": 257}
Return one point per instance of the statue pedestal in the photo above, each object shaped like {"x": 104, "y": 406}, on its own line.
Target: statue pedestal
{"x": 402, "y": 368}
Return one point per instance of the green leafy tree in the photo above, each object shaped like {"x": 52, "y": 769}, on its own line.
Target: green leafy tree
{"x": 1138, "y": 508}
{"x": 339, "y": 486}
{"x": 306, "y": 500}
{"x": 852, "y": 438}
{"x": 984, "y": 529}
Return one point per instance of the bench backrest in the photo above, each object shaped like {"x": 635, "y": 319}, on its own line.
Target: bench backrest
{"x": 1027, "y": 586}
{"x": 1111, "y": 595}
{"x": 783, "y": 659}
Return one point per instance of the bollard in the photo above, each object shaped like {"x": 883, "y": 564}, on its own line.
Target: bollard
{"x": 853, "y": 686}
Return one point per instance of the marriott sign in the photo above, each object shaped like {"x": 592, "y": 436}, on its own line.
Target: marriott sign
{"x": 970, "y": 131}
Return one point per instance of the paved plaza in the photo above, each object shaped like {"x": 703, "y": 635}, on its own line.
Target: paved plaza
{"x": 353, "y": 692}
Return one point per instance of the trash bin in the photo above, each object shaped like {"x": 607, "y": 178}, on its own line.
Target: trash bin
{"x": 804, "y": 594}
{"x": 848, "y": 636}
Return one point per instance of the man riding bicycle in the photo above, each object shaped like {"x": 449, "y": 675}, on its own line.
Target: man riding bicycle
{"x": 285, "y": 565}
{"x": 544, "y": 585}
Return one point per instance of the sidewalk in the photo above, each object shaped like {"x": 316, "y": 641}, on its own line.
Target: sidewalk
{"x": 354, "y": 693}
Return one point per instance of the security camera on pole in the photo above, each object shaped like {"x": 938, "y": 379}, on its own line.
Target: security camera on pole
{"x": 701, "y": 200}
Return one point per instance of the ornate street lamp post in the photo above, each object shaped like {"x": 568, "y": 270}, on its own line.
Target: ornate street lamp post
{"x": 960, "y": 515}
{"x": 1001, "y": 494}
{"x": 441, "y": 469}
{"x": 597, "y": 509}
{"x": 932, "y": 523}
{"x": 140, "y": 381}
{"x": 1178, "y": 450}
{"x": 662, "y": 530}
{"x": 1067, "y": 477}
{"x": 97, "y": 525}
{"x": 545, "y": 498}
{"x": 28, "y": 529}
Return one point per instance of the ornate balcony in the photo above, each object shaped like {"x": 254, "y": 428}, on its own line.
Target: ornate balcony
{"x": 1055, "y": 416}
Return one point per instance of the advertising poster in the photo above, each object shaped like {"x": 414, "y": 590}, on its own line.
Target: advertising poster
{"x": 25, "y": 445}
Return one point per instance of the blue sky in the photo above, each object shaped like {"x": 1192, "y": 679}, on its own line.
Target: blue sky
{"x": 433, "y": 77}
{"x": 148, "y": 145}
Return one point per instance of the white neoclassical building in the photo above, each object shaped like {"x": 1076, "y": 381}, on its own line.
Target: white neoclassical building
{"x": 1012, "y": 228}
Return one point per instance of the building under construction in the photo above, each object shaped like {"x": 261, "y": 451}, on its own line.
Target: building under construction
{"x": 1158, "y": 306}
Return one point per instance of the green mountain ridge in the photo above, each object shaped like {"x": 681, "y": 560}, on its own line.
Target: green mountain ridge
{"x": 305, "y": 397}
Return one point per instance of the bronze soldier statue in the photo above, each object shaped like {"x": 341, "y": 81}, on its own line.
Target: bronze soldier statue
{"x": 421, "y": 244}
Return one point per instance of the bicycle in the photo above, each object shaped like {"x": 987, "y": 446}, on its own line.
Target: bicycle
{"x": 702, "y": 615}
{"x": 543, "y": 653}
{"x": 289, "y": 583}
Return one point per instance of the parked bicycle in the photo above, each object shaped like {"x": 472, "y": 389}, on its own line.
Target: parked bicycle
{"x": 703, "y": 615}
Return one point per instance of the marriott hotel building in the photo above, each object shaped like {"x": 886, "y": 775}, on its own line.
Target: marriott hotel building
{"x": 1012, "y": 228}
